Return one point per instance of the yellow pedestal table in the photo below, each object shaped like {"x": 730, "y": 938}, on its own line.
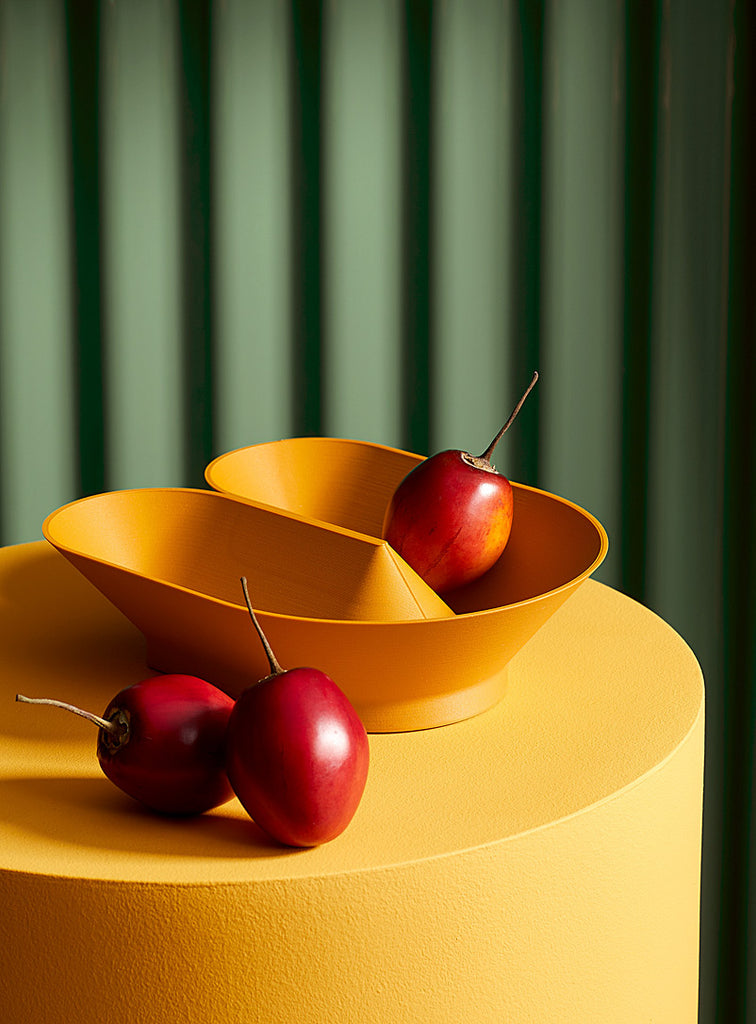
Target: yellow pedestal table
{"x": 537, "y": 863}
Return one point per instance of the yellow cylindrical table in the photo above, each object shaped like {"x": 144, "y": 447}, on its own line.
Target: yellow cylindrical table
{"x": 537, "y": 863}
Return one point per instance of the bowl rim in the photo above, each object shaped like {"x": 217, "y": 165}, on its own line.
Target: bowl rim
{"x": 285, "y": 616}
{"x": 328, "y": 438}
{"x": 574, "y": 581}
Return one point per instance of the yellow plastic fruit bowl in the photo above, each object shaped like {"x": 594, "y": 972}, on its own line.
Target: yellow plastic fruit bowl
{"x": 301, "y": 520}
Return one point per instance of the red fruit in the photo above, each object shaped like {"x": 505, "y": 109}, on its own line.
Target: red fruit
{"x": 451, "y": 516}
{"x": 162, "y": 741}
{"x": 297, "y": 753}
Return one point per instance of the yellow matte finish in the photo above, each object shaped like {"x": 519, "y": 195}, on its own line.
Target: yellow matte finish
{"x": 328, "y": 595}
{"x": 203, "y": 541}
{"x": 539, "y": 862}
{"x": 327, "y": 479}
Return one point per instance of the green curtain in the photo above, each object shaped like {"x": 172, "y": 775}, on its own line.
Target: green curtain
{"x": 222, "y": 223}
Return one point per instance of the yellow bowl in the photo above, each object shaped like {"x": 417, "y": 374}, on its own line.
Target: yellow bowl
{"x": 414, "y": 675}
{"x": 304, "y": 528}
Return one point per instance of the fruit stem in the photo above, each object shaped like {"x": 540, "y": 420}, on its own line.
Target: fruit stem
{"x": 486, "y": 456}
{"x": 275, "y": 668}
{"x": 103, "y": 723}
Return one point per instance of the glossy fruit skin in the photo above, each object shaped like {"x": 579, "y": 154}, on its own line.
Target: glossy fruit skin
{"x": 450, "y": 519}
{"x": 174, "y": 758}
{"x": 297, "y": 756}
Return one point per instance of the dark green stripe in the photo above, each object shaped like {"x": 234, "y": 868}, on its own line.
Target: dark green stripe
{"x": 306, "y": 184}
{"x": 4, "y": 496}
{"x": 738, "y": 945}
{"x": 196, "y": 241}
{"x": 525, "y": 356}
{"x": 82, "y": 36}
{"x": 642, "y": 37}
{"x": 417, "y": 225}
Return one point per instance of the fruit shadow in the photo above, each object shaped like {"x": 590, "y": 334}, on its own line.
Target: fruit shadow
{"x": 90, "y": 813}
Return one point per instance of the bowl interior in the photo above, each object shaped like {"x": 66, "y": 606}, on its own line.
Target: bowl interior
{"x": 553, "y": 544}
{"x": 204, "y": 542}
{"x": 349, "y": 483}
{"x": 345, "y": 483}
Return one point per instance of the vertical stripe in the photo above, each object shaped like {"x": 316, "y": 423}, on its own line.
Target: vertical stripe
{"x": 38, "y": 451}
{"x": 306, "y": 247}
{"x": 641, "y": 92}
{"x": 83, "y": 35}
{"x": 417, "y": 231}
{"x": 141, "y": 244}
{"x": 526, "y": 241}
{"x": 196, "y": 244}
{"x": 685, "y": 366}
{"x": 252, "y": 328}
{"x": 472, "y": 389}
{"x": 581, "y": 293}
{"x": 737, "y": 990}
{"x": 361, "y": 141}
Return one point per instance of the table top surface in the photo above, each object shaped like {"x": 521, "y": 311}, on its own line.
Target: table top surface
{"x": 601, "y": 696}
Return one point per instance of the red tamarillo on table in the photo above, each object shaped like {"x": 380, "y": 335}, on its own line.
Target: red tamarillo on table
{"x": 162, "y": 741}
{"x": 450, "y": 518}
{"x": 297, "y": 752}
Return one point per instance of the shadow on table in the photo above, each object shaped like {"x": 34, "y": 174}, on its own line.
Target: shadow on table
{"x": 90, "y": 813}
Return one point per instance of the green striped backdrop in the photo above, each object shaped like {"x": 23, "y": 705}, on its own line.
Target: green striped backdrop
{"x": 226, "y": 222}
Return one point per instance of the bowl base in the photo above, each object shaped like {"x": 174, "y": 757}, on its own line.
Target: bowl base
{"x": 399, "y": 716}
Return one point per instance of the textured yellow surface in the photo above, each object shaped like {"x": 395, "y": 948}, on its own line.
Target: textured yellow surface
{"x": 539, "y": 862}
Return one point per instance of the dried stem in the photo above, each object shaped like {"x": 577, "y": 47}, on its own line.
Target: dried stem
{"x": 103, "y": 723}
{"x": 275, "y": 668}
{"x": 486, "y": 456}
